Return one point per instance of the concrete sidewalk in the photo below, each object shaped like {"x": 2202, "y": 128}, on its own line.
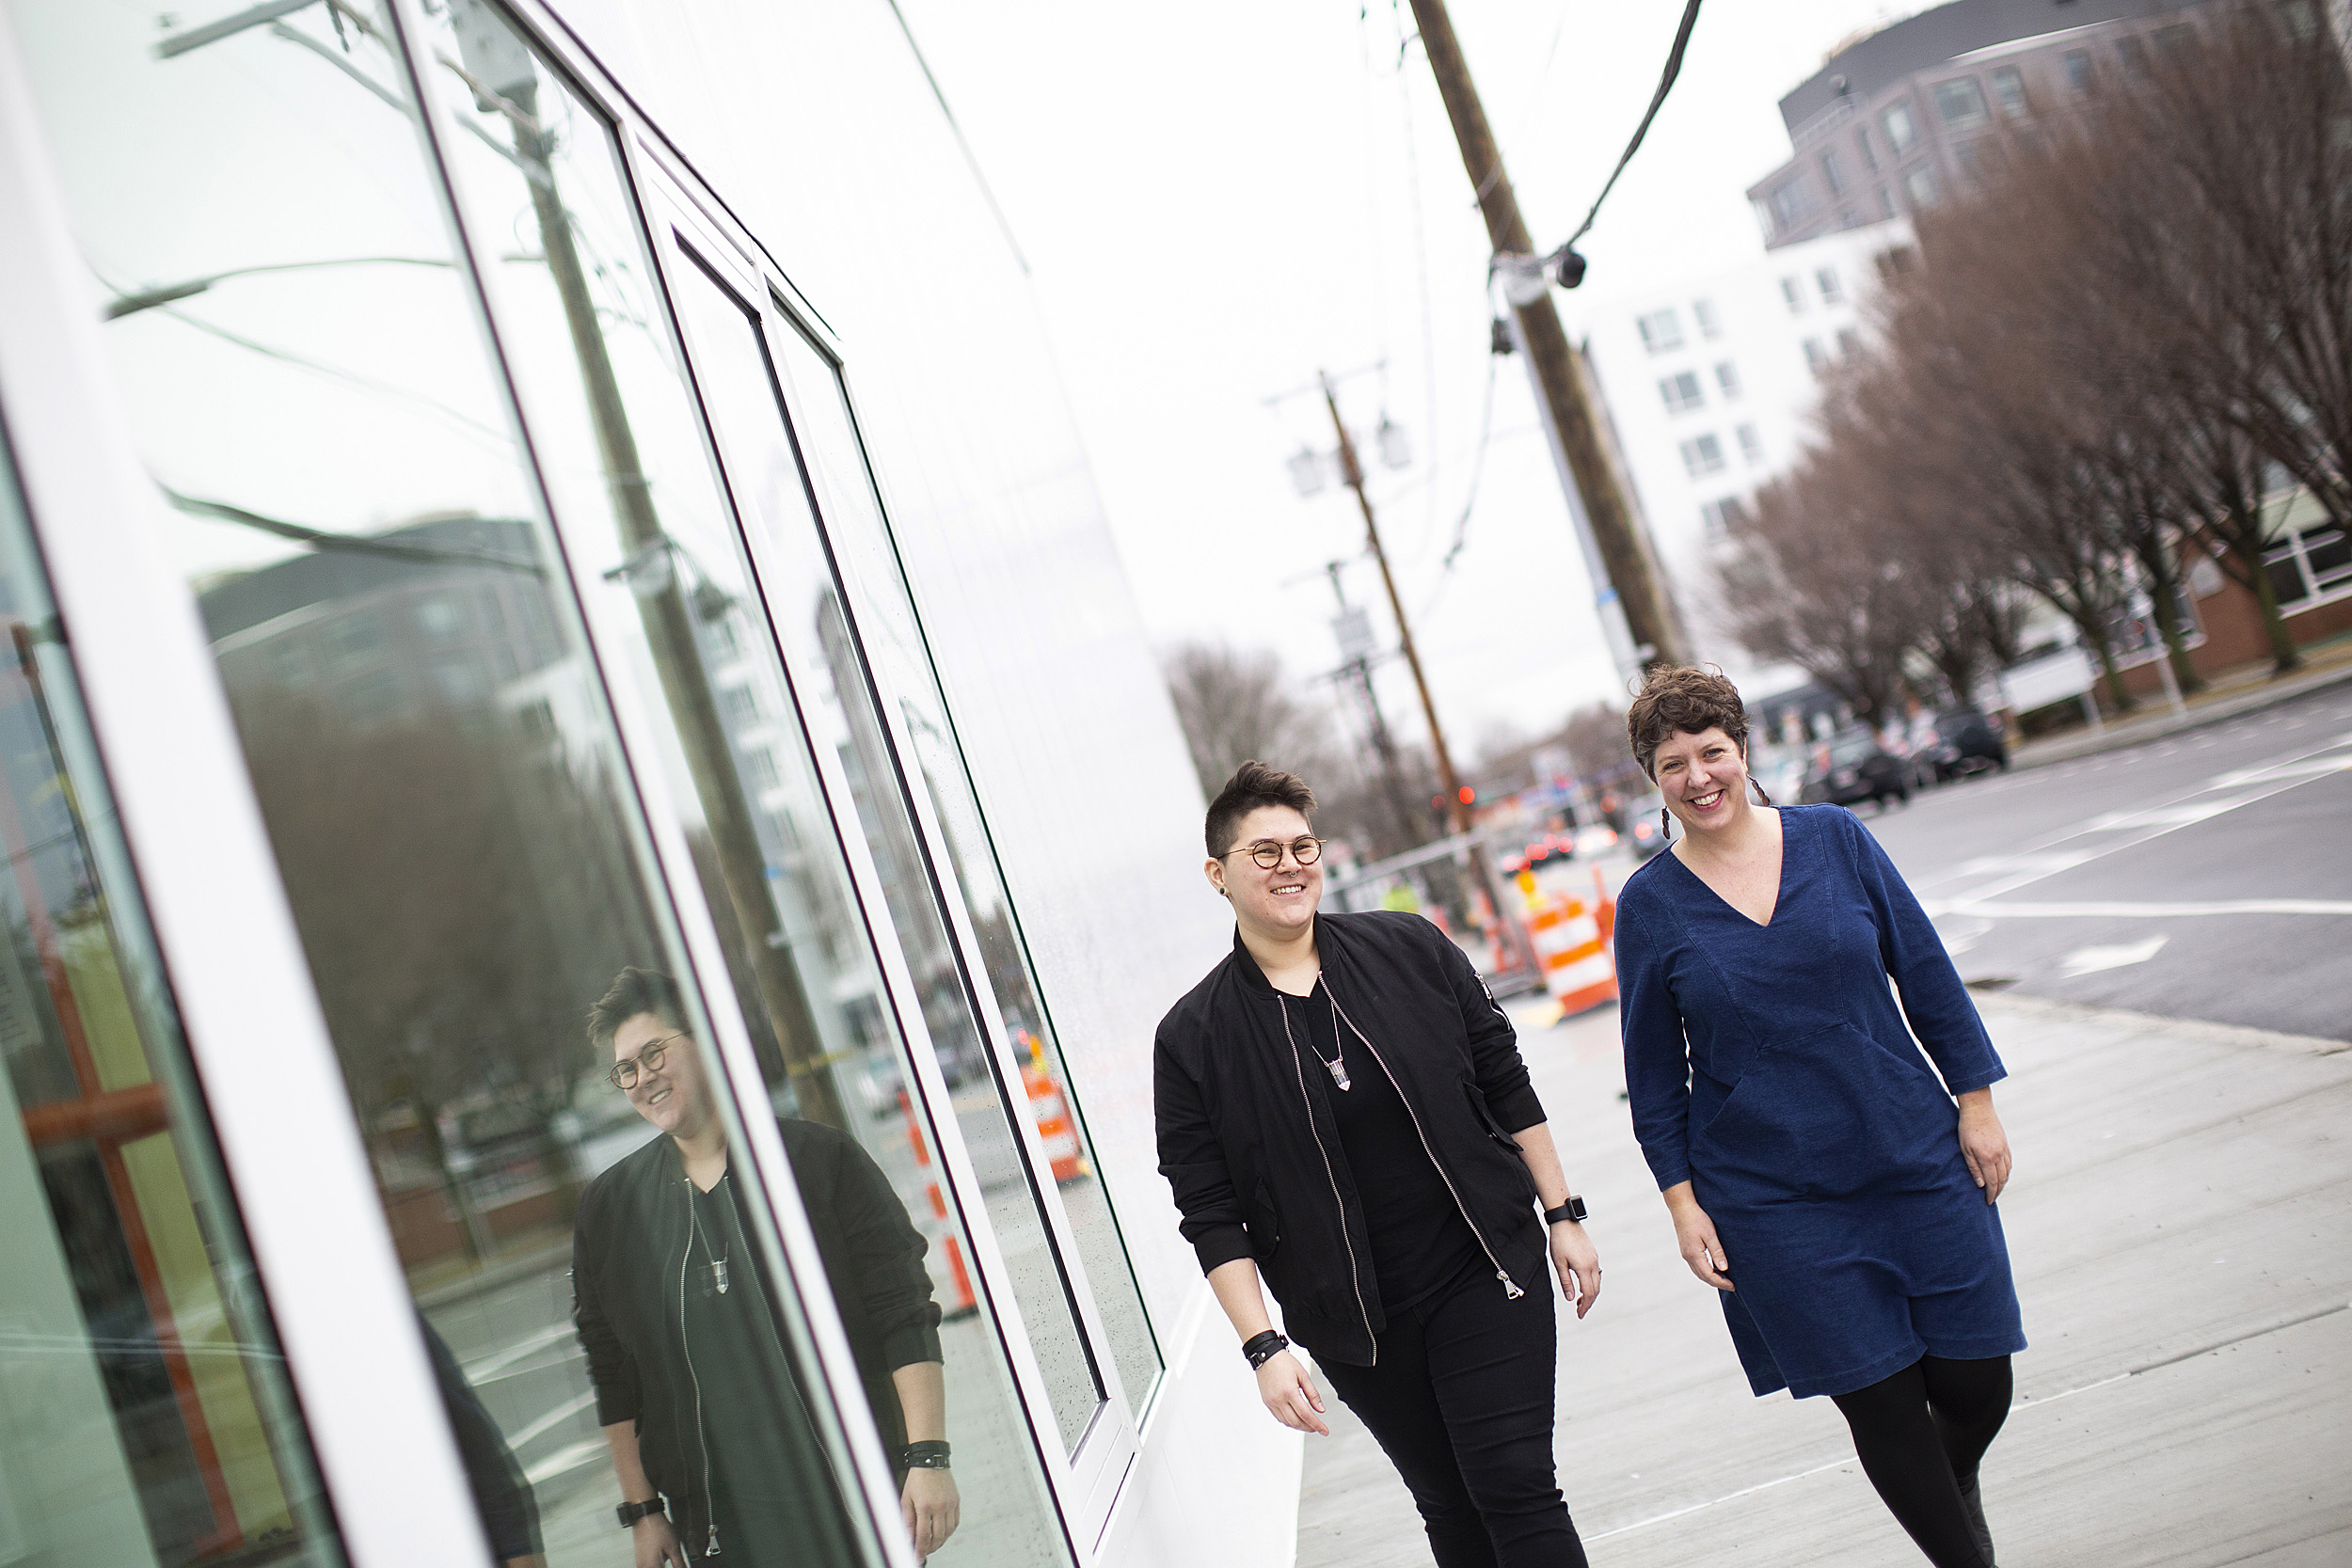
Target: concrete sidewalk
{"x": 2180, "y": 1224}
{"x": 2248, "y": 688}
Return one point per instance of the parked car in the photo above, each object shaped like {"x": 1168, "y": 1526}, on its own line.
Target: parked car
{"x": 1851, "y": 766}
{"x": 1966, "y": 742}
{"x": 1645, "y": 829}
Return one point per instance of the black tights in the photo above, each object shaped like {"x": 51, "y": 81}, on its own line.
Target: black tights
{"x": 1919, "y": 1435}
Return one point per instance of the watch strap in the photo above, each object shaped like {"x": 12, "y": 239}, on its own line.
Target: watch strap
{"x": 630, "y": 1513}
{"x": 1572, "y": 1210}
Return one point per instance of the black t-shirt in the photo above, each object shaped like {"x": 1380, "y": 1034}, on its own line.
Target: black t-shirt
{"x": 1419, "y": 1241}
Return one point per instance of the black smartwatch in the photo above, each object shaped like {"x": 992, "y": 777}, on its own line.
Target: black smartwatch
{"x": 631, "y": 1512}
{"x": 1572, "y": 1210}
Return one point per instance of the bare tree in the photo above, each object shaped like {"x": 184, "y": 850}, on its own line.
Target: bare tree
{"x": 1238, "y": 705}
{"x": 1807, "y": 580}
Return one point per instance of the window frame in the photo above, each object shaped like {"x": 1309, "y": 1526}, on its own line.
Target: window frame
{"x": 689, "y": 225}
{"x": 257, "y": 1043}
{"x": 1967, "y": 118}
{"x": 2009, "y": 92}
{"x": 1896, "y": 145}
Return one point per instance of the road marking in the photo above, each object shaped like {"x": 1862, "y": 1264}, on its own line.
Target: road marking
{"x": 2174, "y": 816}
{"x": 2091, "y": 960}
{"x": 506, "y": 1356}
{"x": 561, "y": 1414}
{"x": 1940, "y": 907}
{"x": 2276, "y": 785}
{"x": 2308, "y": 766}
{"x": 565, "y": 1461}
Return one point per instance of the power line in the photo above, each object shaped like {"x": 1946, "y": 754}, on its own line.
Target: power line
{"x": 1665, "y": 84}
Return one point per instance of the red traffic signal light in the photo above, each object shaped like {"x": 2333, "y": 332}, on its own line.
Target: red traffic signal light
{"x": 1468, "y": 794}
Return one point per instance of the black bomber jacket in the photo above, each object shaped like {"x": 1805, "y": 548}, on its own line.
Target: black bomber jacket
{"x": 629, "y": 1241}
{"x": 1250, "y": 1149}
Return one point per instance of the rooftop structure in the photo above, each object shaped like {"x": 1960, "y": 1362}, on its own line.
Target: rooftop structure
{"x": 1898, "y": 120}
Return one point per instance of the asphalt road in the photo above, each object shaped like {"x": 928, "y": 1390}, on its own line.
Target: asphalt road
{"x": 2207, "y": 875}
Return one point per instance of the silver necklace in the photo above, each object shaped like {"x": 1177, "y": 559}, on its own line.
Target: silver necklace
{"x": 718, "y": 1261}
{"x": 1336, "y": 1066}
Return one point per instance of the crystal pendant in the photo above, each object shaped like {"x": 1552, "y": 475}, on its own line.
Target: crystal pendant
{"x": 1339, "y": 1074}
{"x": 719, "y": 1273}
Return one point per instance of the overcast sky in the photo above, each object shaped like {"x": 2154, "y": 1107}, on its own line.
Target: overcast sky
{"x": 1217, "y": 201}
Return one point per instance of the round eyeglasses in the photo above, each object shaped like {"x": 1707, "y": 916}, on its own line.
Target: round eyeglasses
{"x": 1268, "y": 853}
{"x": 625, "y": 1071}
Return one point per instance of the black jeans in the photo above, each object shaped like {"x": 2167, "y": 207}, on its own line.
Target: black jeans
{"x": 1461, "y": 1402}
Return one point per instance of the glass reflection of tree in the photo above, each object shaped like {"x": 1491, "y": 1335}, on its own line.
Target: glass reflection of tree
{"x": 504, "y": 80}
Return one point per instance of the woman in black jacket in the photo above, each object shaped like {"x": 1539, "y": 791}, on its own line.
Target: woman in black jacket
{"x": 1342, "y": 1108}
{"x": 713, "y": 1454}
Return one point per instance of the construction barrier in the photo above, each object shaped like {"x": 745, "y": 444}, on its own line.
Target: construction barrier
{"x": 937, "y": 1227}
{"x": 1573, "y": 951}
{"x": 1050, "y": 1108}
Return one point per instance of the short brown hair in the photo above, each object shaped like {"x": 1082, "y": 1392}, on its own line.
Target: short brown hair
{"x": 634, "y": 990}
{"x": 1682, "y": 700}
{"x": 1253, "y": 785}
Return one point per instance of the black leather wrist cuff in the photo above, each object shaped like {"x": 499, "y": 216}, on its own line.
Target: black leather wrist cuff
{"x": 925, "y": 1455}
{"x": 1259, "y": 1349}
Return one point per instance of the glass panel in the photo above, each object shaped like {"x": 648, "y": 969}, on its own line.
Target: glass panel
{"x": 144, "y": 1417}
{"x": 806, "y": 610}
{"x": 676, "y": 608}
{"x": 428, "y": 738}
{"x": 869, "y": 562}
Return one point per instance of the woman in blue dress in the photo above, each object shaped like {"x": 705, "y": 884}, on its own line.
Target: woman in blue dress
{"x": 1836, "y": 1190}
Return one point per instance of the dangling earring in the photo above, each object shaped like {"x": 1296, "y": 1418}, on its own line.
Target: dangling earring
{"x": 1666, "y": 825}
{"x": 1761, "y": 799}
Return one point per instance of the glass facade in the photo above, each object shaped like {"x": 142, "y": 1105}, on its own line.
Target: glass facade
{"x": 145, "y": 1417}
{"x": 716, "y": 1119}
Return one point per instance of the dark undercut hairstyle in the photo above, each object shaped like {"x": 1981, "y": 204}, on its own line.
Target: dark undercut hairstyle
{"x": 633, "y": 991}
{"x": 1680, "y": 700}
{"x": 1253, "y": 785}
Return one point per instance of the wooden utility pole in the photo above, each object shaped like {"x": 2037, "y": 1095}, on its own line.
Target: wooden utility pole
{"x": 1559, "y": 377}
{"x": 1351, "y": 475}
{"x": 1510, "y": 935}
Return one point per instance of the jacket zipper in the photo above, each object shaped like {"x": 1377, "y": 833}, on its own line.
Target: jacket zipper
{"x": 1510, "y": 1287}
{"x": 686, "y": 1343}
{"x": 1353, "y": 1277}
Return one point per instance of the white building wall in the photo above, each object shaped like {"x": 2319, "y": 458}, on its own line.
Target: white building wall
{"x": 1758, "y": 429}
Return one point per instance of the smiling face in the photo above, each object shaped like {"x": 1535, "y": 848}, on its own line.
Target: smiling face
{"x": 1278, "y": 903}
{"x": 674, "y": 1097}
{"x": 1704, "y": 780}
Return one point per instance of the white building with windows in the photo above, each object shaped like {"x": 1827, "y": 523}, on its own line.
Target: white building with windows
{"x": 1710, "y": 385}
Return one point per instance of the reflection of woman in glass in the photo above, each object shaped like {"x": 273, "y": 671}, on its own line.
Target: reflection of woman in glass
{"x": 683, "y": 1345}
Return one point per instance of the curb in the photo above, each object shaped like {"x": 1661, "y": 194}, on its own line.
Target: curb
{"x": 2213, "y": 711}
{"x": 2179, "y": 1028}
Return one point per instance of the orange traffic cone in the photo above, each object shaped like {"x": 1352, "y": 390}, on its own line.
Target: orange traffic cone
{"x": 1577, "y": 969}
{"x": 1051, "y": 1109}
{"x": 938, "y": 1228}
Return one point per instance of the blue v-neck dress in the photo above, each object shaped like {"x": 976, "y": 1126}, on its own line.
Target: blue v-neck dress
{"x": 1770, "y": 1066}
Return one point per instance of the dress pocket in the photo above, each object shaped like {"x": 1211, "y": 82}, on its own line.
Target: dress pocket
{"x": 1828, "y": 1115}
